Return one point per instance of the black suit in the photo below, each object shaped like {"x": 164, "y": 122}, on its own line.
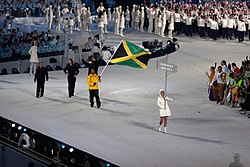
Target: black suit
{"x": 40, "y": 76}
{"x": 72, "y": 71}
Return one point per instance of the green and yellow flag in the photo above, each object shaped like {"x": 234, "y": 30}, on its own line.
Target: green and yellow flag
{"x": 130, "y": 54}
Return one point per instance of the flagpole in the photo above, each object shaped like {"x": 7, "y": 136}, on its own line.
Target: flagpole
{"x": 110, "y": 59}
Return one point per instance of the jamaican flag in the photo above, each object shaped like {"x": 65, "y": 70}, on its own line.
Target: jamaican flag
{"x": 130, "y": 54}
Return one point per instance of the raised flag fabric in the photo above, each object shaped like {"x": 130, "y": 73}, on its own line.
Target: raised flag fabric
{"x": 130, "y": 54}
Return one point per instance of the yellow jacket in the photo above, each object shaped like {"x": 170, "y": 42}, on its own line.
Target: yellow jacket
{"x": 92, "y": 79}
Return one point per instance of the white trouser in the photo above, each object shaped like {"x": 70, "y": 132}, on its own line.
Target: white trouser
{"x": 150, "y": 26}
{"x": 170, "y": 34}
{"x": 83, "y": 28}
{"x": 121, "y": 31}
{"x": 163, "y": 29}
{"x": 50, "y": 23}
{"x": 105, "y": 28}
{"x": 32, "y": 67}
{"x": 101, "y": 31}
{"x": 142, "y": 25}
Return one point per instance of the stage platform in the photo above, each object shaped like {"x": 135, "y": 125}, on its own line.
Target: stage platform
{"x": 124, "y": 130}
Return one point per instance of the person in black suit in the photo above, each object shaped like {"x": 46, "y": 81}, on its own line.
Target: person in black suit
{"x": 71, "y": 70}
{"x": 40, "y": 76}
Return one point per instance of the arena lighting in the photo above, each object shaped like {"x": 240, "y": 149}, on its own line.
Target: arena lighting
{"x": 62, "y": 146}
{"x": 49, "y": 147}
{"x": 71, "y": 150}
{"x": 19, "y": 127}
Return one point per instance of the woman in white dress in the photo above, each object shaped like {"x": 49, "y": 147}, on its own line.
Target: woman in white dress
{"x": 171, "y": 26}
{"x": 159, "y": 23}
{"x": 33, "y": 57}
{"x": 101, "y": 23}
{"x": 122, "y": 24}
{"x": 164, "y": 110}
{"x": 137, "y": 18}
{"x": 89, "y": 20}
{"x": 105, "y": 21}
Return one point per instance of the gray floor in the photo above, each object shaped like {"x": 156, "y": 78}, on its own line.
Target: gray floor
{"x": 124, "y": 130}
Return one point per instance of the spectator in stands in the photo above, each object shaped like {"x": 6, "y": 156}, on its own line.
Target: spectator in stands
{"x": 106, "y": 55}
{"x": 26, "y": 141}
{"x": 235, "y": 69}
{"x": 236, "y": 162}
{"x": 7, "y": 23}
{"x": 19, "y": 34}
{"x": 33, "y": 57}
{"x": 224, "y": 67}
{"x": 211, "y": 76}
{"x": 219, "y": 85}
{"x": 96, "y": 48}
{"x": 57, "y": 39}
{"x": 246, "y": 105}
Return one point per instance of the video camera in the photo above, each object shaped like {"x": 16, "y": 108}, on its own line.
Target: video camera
{"x": 152, "y": 44}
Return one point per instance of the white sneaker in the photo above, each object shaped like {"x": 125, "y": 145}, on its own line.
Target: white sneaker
{"x": 165, "y": 130}
{"x": 159, "y": 128}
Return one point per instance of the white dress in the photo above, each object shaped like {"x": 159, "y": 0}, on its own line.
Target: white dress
{"x": 101, "y": 22}
{"x": 122, "y": 22}
{"x": 105, "y": 18}
{"x": 164, "y": 110}
{"x": 33, "y": 54}
{"x": 171, "y": 23}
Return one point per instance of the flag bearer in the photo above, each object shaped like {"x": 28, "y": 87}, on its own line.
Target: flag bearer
{"x": 92, "y": 81}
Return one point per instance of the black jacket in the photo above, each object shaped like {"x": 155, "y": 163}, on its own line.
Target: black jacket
{"x": 41, "y": 75}
{"x": 71, "y": 70}
{"x": 94, "y": 65}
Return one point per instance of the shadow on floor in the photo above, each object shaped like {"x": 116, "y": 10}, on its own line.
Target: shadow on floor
{"x": 198, "y": 138}
{"x": 116, "y": 112}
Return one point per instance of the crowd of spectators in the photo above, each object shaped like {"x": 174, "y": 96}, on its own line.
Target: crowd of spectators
{"x": 23, "y": 8}
{"x": 15, "y": 44}
{"x": 230, "y": 85}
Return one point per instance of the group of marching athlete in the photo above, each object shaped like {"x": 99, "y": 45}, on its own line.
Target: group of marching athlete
{"x": 213, "y": 20}
{"x": 71, "y": 71}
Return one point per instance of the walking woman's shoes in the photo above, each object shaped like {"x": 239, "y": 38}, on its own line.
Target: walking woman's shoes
{"x": 159, "y": 128}
{"x": 165, "y": 130}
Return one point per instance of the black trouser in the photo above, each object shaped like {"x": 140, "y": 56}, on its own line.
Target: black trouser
{"x": 189, "y": 30}
{"x": 214, "y": 34}
{"x": 229, "y": 33}
{"x": 202, "y": 31}
{"x": 92, "y": 94}
{"x": 71, "y": 85}
{"x": 224, "y": 32}
{"x": 177, "y": 27}
{"x": 241, "y": 36}
{"x": 40, "y": 88}
{"x": 219, "y": 32}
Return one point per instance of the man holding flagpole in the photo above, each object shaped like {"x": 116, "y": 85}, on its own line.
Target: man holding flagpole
{"x": 92, "y": 81}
